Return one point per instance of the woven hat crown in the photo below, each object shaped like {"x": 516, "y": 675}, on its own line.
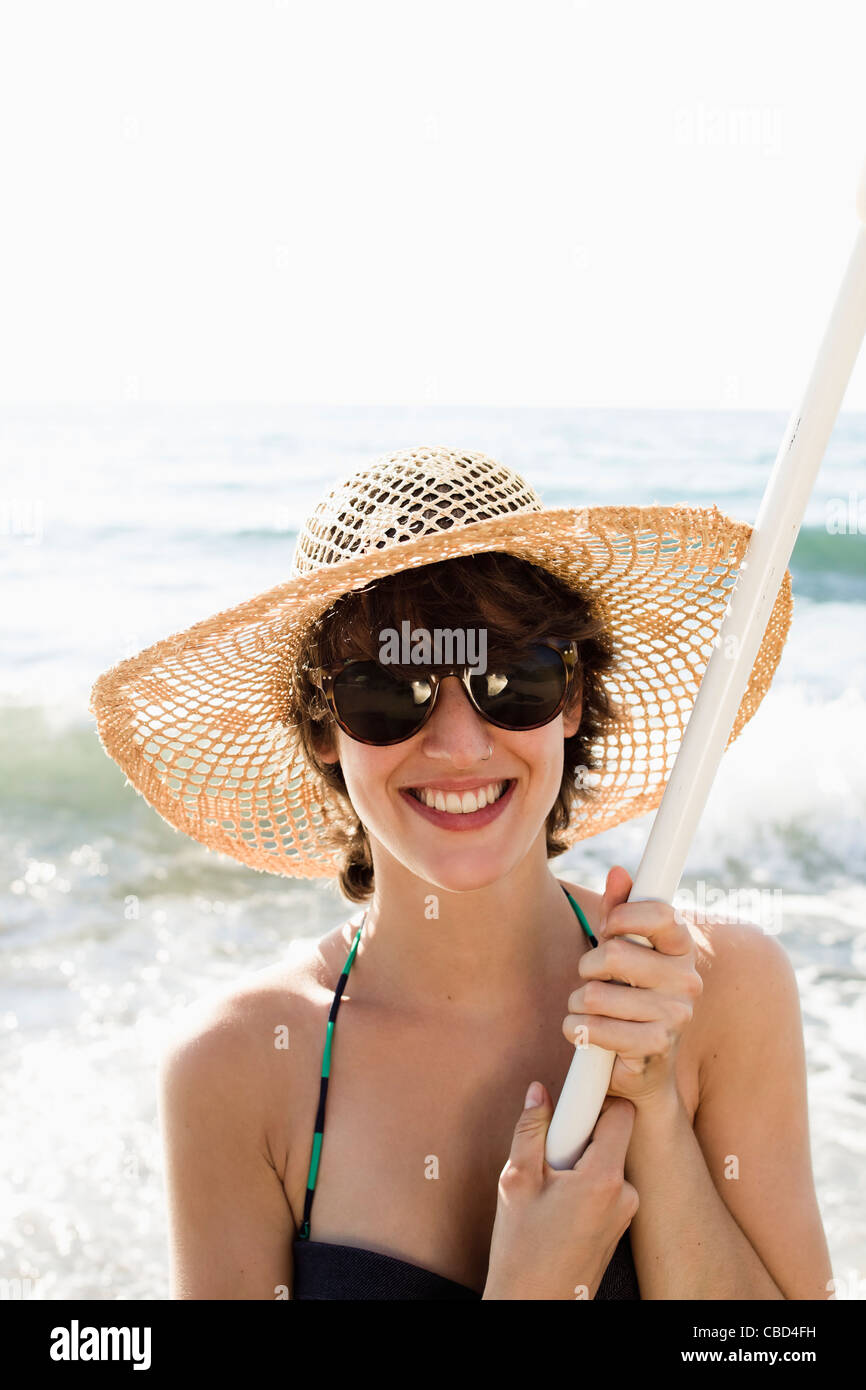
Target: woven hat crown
{"x": 404, "y": 496}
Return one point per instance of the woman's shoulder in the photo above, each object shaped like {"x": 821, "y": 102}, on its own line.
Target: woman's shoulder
{"x": 246, "y": 1031}
{"x": 743, "y": 967}
{"x": 588, "y": 902}
{"x": 724, "y": 946}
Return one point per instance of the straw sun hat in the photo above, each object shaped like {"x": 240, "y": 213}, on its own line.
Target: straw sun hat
{"x": 201, "y": 723}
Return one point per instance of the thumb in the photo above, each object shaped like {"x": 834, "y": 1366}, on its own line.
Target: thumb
{"x": 617, "y": 887}
{"x": 530, "y": 1132}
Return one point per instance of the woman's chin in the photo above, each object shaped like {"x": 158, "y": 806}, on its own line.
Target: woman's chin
{"x": 466, "y": 872}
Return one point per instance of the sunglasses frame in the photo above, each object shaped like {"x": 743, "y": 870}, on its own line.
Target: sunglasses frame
{"x": 324, "y": 677}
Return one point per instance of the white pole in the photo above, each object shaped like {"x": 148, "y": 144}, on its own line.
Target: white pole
{"x": 728, "y": 670}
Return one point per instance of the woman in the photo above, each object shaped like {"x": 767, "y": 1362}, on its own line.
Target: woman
{"x": 437, "y": 791}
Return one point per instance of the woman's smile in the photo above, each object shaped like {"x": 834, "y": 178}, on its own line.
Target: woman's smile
{"x": 469, "y": 808}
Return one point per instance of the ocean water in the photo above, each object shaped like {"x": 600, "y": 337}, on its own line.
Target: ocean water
{"x": 123, "y": 524}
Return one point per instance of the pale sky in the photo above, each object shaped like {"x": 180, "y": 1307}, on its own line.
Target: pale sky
{"x": 550, "y": 202}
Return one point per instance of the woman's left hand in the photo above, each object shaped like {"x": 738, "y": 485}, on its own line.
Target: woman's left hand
{"x": 643, "y": 1019}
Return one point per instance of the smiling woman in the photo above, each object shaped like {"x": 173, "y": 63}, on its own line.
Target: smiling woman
{"x": 273, "y": 732}
{"x": 519, "y": 606}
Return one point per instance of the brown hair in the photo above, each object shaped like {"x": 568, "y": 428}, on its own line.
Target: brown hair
{"x": 519, "y": 603}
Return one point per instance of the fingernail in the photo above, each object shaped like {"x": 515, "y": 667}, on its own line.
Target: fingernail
{"x": 534, "y": 1096}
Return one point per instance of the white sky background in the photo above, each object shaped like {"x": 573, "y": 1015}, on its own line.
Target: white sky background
{"x": 467, "y": 201}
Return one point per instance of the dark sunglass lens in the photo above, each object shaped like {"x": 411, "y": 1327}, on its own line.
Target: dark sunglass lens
{"x": 524, "y": 692}
{"x": 377, "y": 707}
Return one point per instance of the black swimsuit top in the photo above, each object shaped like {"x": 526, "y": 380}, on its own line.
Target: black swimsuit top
{"x": 325, "y": 1270}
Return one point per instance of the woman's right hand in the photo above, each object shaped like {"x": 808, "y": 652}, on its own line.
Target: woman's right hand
{"x": 556, "y": 1230}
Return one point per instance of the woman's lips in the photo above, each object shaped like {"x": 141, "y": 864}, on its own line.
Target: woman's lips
{"x": 470, "y": 820}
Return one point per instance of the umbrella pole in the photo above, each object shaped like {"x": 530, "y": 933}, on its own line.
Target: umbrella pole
{"x": 730, "y": 665}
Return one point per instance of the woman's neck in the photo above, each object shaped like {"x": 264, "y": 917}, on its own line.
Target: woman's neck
{"x": 483, "y": 952}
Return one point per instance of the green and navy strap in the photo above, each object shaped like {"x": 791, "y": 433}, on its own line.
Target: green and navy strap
{"x": 581, "y": 918}
{"x": 304, "y": 1233}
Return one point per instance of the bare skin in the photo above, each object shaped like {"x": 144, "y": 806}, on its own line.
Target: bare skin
{"x": 445, "y": 1022}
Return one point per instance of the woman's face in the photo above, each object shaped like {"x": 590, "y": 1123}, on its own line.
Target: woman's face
{"x": 457, "y": 852}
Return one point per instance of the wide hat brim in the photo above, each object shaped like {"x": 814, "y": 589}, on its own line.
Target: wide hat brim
{"x": 201, "y": 722}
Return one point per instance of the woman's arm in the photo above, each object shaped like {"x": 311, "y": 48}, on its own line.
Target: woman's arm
{"x": 728, "y": 1209}
{"x": 231, "y": 1227}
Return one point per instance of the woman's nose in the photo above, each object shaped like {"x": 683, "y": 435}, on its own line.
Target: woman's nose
{"x": 455, "y": 730}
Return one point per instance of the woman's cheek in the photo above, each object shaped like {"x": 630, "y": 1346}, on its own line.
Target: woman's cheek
{"x": 366, "y": 772}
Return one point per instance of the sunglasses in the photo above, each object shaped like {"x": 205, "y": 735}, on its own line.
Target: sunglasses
{"x": 373, "y": 705}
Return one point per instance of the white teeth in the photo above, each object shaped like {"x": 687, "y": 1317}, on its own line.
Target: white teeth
{"x": 460, "y": 804}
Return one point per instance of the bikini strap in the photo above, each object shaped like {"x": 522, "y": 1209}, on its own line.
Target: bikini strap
{"x": 304, "y": 1233}
{"x": 581, "y": 918}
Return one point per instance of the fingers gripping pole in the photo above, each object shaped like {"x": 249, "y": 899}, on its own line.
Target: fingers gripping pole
{"x": 583, "y": 1092}
{"x": 728, "y": 670}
